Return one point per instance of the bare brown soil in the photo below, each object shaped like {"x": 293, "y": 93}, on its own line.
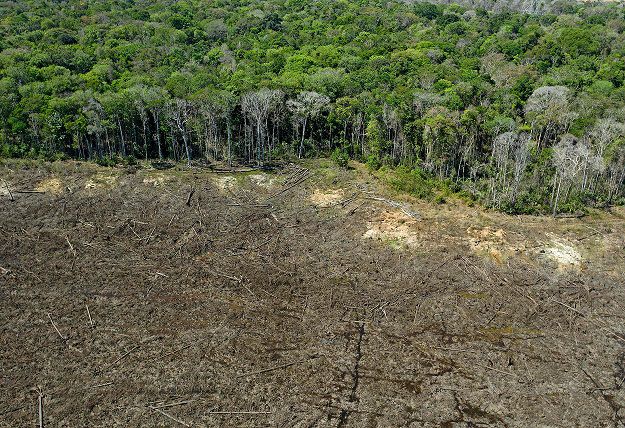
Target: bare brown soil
{"x": 301, "y": 298}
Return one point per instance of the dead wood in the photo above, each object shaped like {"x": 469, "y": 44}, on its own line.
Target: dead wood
{"x": 57, "y": 330}
{"x": 420, "y": 307}
{"x": 89, "y": 314}
{"x": 299, "y": 181}
{"x": 176, "y": 351}
{"x": 102, "y": 384}
{"x": 40, "y": 407}
{"x": 233, "y": 170}
{"x": 168, "y": 416}
{"x": 395, "y": 204}
{"x": 282, "y": 366}
{"x": 578, "y": 214}
{"x": 9, "y": 190}
{"x": 71, "y": 247}
{"x": 179, "y": 403}
{"x": 124, "y": 355}
{"x": 188, "y": 203}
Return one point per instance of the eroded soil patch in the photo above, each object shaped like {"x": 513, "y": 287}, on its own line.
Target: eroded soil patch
{"x": 327, "y": 198}
{"x": 51, "y": 185}
{"x": 394, "y": 226}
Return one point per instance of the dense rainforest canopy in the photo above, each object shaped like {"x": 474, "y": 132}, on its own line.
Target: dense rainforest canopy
{"x": 523, "y": 112}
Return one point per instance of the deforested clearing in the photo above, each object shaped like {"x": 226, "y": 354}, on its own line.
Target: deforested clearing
{"x": 188, "y": 298}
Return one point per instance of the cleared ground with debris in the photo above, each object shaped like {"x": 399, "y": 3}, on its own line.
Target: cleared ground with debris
{"x": 309, "y": 297}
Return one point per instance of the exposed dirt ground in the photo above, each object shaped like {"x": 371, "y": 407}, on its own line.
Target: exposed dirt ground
{"x": 306, "y": 297}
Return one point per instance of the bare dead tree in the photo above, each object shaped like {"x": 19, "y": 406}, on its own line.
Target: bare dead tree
{"x": 509, "y": 159}
{"x": 549, "y": 111}
{"x": 571, "y": 157}
{"x": 257, "y": 107}
{"x": 180, "y": 114}
{"x": 306, "y": 106}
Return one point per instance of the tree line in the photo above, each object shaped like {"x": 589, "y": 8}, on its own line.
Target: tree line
{"x": 523, "y": 112}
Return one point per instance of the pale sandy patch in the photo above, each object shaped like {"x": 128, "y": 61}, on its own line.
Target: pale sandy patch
{"x": 50, "y": 185}
{"x": 262, "y": 180}
{"x": 394, "y": 225}
{"x": 155, "y": 180}
{"x": 562, "y": 252}
{"x": 326, "y": 198}
{"x": 489, "y": 241}
{"x": 225, "y": 182}
{"x": 101, "y": 181}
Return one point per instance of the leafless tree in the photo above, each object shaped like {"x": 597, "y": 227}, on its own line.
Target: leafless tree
{"x": 306, "y": 106}
{"x": 423, "y": 101}
{"x": 510, "y": 156}
{"x": 605, "y": 137}
{"x": 616, "y": 174}
{"x": 394, "y": 131}
{"x": 257, "y": 107}
{"x": 571, "y": 158}
{"x": 550, "y": 113}
{"x": 181, "y": 113}
{"x": 604, "y": 132}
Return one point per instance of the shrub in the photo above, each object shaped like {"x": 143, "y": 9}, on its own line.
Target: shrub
{"x": 106, "y": 161}
{"x": 340, "y": 157}
{"x": 413, "y": 181}
{"x": 373, "y": 162}
{"x": 130, "y": 160}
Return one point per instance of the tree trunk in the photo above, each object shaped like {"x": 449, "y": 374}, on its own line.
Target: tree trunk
{"x": 145, "y": 138}
{"x": 301, "y": 144}
{"x": 229, "y": 130}
{"x": 158, "y": 136}
{"x": 186, "y": 147}
{"x": 557, "y": 200}
{"x": 121, "y": 135}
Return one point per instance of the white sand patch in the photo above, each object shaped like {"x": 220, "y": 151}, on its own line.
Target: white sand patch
{"x": 262, "y": 180}
{"x": 563, "y": 253}
{"x": 225, "y": 182}
{"x": 326, "y": 198}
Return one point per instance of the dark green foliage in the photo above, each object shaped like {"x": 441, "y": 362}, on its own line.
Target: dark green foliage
{"x": 106, "y": 161}
{"x": 373, "y": 162}
{"x": 453, "y": 95}
{"x": 413, "y": 181}
{"x": 340, "y": 157}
